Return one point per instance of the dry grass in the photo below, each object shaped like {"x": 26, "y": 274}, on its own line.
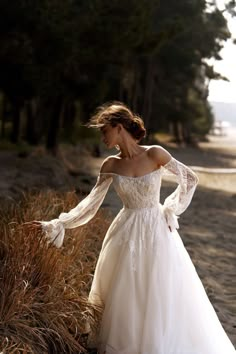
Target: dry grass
{"x": 43, "y": 290}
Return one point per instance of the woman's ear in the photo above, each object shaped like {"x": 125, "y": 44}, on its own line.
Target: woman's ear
{"x": 119, "y": 127}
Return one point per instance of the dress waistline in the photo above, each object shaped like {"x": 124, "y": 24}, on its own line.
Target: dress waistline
{"x": 142, "y": 208}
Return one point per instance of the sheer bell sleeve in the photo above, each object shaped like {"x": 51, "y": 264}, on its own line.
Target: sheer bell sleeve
{"x": 80, "y": 215}
{"x": 177, "y": 202}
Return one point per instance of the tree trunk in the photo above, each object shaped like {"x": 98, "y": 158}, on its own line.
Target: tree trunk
{"x": 186, "y": 133}
{"x": 41, "y": 112}
{"x": 3, "y": 116}
{"x": 31, "y": 136}
{"x": 176, "y": 131}
{"x": 15, "y": 123}
{"x": 54, "y": 126}
{"x": 68, "y": 115}
{"x": 147, "y": 101}
{"x": 136, "y": 88}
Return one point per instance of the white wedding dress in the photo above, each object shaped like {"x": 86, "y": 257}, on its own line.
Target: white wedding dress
{"x": 153, "y": 299}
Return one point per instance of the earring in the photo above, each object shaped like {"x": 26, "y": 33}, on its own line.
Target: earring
{"x": 117, "y": 147}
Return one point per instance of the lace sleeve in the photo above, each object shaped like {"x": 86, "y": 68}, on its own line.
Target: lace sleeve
{"x": 81, "y": 214}
{"x": 176, "y": 203}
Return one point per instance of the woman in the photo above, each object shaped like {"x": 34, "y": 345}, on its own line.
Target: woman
{"x": 153, "y": 300}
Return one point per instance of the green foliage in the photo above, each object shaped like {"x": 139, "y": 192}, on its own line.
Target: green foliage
{"x": 181, "y": 65}
{"x": 201, "y": 114}
{"x": 146, "y": 53}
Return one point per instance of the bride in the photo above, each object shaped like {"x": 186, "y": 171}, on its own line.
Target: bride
{"x": 152, "y": 297}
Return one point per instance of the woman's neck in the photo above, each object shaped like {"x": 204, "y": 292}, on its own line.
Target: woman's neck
{"x": 130, "y": 151}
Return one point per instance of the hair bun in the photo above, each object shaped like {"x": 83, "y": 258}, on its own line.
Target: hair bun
{"x": 116, "y": 112}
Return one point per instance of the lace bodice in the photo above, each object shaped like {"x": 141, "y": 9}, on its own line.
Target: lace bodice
{"x": 135, "y": 193}
{"x": 138, "y": 192}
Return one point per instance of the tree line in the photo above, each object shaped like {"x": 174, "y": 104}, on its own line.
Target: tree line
{"x": 59, "y": 59}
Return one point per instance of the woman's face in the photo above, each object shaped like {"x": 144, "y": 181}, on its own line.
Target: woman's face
{"x": 109, "y": 135}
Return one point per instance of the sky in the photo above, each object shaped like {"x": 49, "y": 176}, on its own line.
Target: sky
{"x": 219, "y": 90}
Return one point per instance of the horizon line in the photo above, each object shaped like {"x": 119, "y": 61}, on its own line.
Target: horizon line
{"x": 215, "y": 101}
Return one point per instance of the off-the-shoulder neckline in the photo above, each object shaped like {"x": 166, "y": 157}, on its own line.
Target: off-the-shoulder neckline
{"x": 136, "y": 177}
{"x": 133, "y": 177}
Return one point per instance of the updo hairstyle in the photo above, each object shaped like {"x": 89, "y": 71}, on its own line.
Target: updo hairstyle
{"x": 114, "y": 113}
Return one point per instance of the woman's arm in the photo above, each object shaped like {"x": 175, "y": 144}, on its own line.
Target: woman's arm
{"x": 176, "y": 203}
{"x": 81, "y": 214}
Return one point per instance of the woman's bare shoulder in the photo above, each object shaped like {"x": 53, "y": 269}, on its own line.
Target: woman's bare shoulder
{"x": 160, "y": 155}
{"x": 108, "y": 164}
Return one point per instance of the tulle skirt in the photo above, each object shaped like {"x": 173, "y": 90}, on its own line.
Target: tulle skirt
{"x": 153, "y": 299}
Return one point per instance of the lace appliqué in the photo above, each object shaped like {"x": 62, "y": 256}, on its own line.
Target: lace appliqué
{"x": 176, "y": 203}
{"x": 80, "y": 215}
{"x": 141, "y": 242}
{"x": 139, "y": 192}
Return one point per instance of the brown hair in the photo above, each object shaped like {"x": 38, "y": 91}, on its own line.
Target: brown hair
{"x": 116, "y": 112}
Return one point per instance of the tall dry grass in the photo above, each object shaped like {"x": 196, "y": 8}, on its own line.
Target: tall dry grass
{"x": 43, "y": 289}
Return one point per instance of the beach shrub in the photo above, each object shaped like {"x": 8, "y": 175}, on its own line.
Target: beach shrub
{"x": 43, "y": 290}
